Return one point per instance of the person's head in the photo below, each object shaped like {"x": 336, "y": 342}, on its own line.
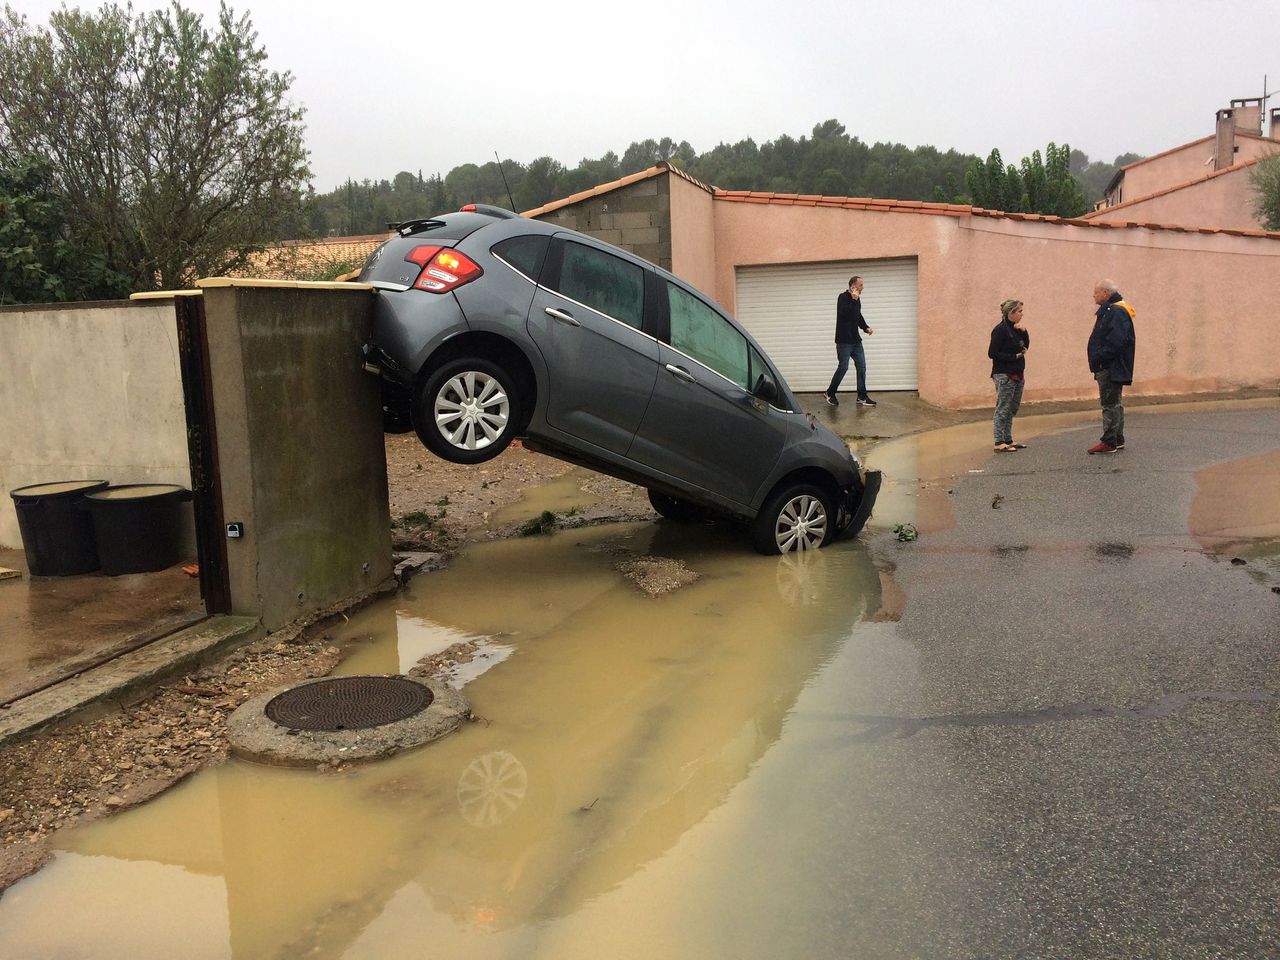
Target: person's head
{"x": 1103, "y": 291}
{"x": 855, "y": 284}
{"x": 1011, "y": 310}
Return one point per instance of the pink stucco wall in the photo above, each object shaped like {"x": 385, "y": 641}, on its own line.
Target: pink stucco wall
{"x": 1225, "y": 201}
{"x": 1205, "y": 302}
{"x": 693, "y": 241}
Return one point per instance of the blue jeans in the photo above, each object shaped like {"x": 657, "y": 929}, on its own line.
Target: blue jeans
{"x": 843, "y": 352}
{"x": 1008, "y": 399}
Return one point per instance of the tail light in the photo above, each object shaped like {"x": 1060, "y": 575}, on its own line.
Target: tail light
{"x": 443, "y": 269}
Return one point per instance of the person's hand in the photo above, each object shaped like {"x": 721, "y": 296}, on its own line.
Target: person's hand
{"x": 870, "y": 331}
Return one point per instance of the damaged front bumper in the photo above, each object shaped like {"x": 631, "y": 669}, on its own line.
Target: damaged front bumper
{"x": 860, "y": 507}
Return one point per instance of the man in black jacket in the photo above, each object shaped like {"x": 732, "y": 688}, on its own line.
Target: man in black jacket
{"x": 1111, "y": 349}
{"x": 848, "y": 343}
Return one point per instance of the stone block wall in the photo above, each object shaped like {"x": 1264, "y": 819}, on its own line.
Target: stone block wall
{"x": 636, "y": 218}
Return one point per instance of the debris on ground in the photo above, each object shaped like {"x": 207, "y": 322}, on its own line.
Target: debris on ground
{"x": 657, "y": 575}
{"x": 905, "y": 532}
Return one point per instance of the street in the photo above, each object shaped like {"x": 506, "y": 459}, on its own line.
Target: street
{"x": 1044, "y": 729}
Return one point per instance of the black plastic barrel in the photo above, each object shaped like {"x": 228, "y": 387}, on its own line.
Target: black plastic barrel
{"x": 57, "y": 530}
{"x": 139, "y": 527}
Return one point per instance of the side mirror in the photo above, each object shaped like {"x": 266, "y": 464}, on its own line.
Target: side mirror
{"x": 765, "y": 389}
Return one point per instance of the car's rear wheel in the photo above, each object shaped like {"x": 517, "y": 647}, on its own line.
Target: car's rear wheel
{"x": 468, "y": 411}
{"x": 673, "y": 508}
{"x": 797, "y": 517}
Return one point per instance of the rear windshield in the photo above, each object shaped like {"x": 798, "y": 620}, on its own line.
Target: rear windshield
{"x": 387, "y": 263}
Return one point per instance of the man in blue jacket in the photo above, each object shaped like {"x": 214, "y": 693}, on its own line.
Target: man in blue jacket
{"x": 1111, "y": 347}
{"x": 848, "y": 344}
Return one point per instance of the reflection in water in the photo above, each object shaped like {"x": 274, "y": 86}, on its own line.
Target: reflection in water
{"x": 491, "y": 788}
{"x": 920, "y": 469}
{"x": 1237, "y": 503}
{"x": 617, "y": 724}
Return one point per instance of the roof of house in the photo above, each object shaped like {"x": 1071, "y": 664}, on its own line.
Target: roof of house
{"x": 961, "y": 210}
{"x": 1234, "y": 168}
{"x": 1115, "y": 177}
{"x": 299, "y": 259}
{"x": 656, "y": 170}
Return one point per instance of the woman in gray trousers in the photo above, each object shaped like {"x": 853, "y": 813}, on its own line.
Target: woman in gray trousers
{"x": 1009, "y": 343}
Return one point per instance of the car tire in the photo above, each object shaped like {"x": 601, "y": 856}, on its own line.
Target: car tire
{"x": 468, "y": 411}
{"x": 675, "y": 509}
{"x": 797, "y": 517}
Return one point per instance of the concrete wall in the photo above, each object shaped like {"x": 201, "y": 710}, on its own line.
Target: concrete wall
{"x": 636, "y": 217}
{"x": 89, "y": 391}
{"x": 1224, "y": 201}
{"x": 1206, "y": 302}
{"x": 299, "y": 427}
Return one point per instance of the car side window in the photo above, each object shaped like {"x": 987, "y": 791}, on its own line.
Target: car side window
{"x": 524, "y": 253}
{"x": 603, "y": 282}
{"x": 703, "y": 334}
{"x": 758, "y": 366}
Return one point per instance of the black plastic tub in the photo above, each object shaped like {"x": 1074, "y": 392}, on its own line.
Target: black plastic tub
{"x": 139, "y": 526}
{"x": 57, "y": 530}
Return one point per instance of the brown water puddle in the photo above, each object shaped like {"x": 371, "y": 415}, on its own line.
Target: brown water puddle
{"x": 612, "y": 724}
{"x": 1236, "y": 509}
{"x": 562, "y": 496}
{"x": 920, "y": 469}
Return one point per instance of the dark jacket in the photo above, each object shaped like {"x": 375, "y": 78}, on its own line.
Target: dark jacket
{"x": 1007, "y": 342}
{"x": 849, "y": 319}
{"x": 1111, "y": 345}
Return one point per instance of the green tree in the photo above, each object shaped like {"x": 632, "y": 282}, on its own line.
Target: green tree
{"x": 175, "y": 148}
{"x": 40, "y": 261}
{"x": 1037, "y": 185}
{"x": 538, "y": 185}
{"x": 1265, "y": 178}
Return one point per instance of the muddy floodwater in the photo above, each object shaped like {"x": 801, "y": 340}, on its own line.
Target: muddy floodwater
{"x": 647, "y": 776}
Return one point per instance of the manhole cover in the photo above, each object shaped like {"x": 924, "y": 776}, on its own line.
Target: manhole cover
{"x": 348, "y": 703}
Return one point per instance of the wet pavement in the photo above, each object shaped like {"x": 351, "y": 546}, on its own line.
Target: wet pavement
{"x": 1044, "y": 729}
{"x": 54, "y": 627}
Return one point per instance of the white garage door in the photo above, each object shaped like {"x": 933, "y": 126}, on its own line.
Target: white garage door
{"x": 791, "y": 310}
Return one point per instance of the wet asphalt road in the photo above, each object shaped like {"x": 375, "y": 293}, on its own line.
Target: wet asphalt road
{"x": 1070, "y": 745}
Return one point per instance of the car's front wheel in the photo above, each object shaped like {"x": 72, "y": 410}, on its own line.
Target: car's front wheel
{"x": 673, "y": 508}
{"x": 797, "y": 517}
{"x": 467, "y": 411}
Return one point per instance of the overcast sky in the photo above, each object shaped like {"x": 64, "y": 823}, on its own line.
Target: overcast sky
{"x": 391, "y": 86}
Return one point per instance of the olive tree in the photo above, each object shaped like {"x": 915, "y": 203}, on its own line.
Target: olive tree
{"x": 1265, "y": 178}
{"x": 174, "y": 147}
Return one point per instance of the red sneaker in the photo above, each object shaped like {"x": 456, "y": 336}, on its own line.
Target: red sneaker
{"x": 1102, "y": 448}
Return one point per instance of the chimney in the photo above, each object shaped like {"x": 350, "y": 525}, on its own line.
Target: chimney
{"x": 1224, "y": 143}
{"x": 1275, "y": 124}
{"x": 1248, "y": 114}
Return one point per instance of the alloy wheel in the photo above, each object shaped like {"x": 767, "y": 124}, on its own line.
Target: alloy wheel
{"x": 471, "y": 410}
{"x": 801, "y": 524}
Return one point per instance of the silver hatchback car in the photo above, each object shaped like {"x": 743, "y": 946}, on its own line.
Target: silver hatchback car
{"x": 489, "y": 326}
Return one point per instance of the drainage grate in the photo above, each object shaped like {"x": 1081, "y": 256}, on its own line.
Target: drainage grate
{"x": 348, "y": 703}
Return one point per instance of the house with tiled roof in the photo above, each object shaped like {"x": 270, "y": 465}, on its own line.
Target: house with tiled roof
{"x": 1202, "y": 183}
{"x": 322, "y": 259}
{"x": 935, "y": 275}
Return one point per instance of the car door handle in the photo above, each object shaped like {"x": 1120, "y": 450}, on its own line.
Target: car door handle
{"x": 563, "y": 317}
{"x": 680, "y": 373}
